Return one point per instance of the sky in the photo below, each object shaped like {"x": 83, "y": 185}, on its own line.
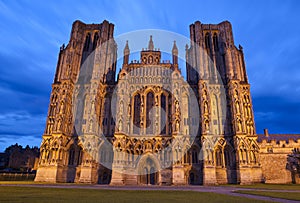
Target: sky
{"x": 32, "y": 32}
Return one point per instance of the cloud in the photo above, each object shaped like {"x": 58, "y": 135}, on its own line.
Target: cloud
{"x": 21, "y": 126}
{"x": 277, "y": 113}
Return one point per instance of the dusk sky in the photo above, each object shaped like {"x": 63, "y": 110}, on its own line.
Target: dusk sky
{"x": 32, "y": 32}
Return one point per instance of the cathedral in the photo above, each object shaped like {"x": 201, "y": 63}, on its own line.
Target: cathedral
{"x": 147, "y": 123}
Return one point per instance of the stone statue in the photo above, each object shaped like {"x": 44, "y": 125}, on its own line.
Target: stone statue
{"x": 120, "y": 125}
{"x": 91, "y": 126}
{"x": 121, "y": 108}
{"x": 129, "y": 110}
{"x": 49, "y": 128}
{"x": 204, "y": 95}
{"x": 237, "y": 107}
{"x": 59, "y": 125}
{"x": 156, "y": 100}
{"x": 249, "y": 111}
{"x": 239, "y": 125}
{"x": 206, "y": 125}
{"x": 177, "y": 108}
{"x": 62, "y": 106}
{"x": 177, "y": 126}
{"x": 205, "y": 107}
{"x": 142, "y": 107}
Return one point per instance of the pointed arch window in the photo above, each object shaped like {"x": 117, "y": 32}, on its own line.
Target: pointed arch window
{"x": 79, "y": 158}
{"x": 96, "y": 37}
{"x": 87, "y": 42}
{"x": 71, "y": 155}
{"x": 163, "y": 115}
{"x": 207, "y": 42}
{"x": 227, "y": 155}
{"x": 216, "y": 42}
{"x": 254, "y": 154}
{"x": 150, "y": 114}
{"x": 194, "y": 155}
{"x": 219, "y": 157}
{"x": 136, "y": 114}
{"x": 170, "y": 113}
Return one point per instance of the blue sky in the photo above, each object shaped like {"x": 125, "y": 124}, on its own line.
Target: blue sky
{"x": 32, "y": 32}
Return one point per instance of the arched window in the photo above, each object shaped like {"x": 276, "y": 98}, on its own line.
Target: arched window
{"x": 106, "y": 112}
{"x": 170, "y": 113}
{"x": 87, "y": 42}
{"x": 219, "y": 157}
{"x": 136, "y": 114}
{"x": 227, "y": 154}
{"x": 80, "y": 153}
{"x": 243, "y": 154}
{"x": 96, "y": 37}
{"x": 216, "y": 43}
{"x": 194, "y": 156}
{"x": 187, "y": 157}
{"x": 71, "y": 155}
{"x": 207, "y": 42}
{"x": 254, "y": 154}
{"x": 150, "y": 115}
{"x": 163, "y": 115}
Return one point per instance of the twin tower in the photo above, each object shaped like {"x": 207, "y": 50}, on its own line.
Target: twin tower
{"x": 147, "y": 124}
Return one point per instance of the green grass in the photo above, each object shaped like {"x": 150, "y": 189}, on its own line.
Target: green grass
{"x": 269, "y": 186}
{"x": 38, "y": 183}
{"x": 37, "y": 194}
{"x": 17, "y": 182}
{"x": 283, "y": 195}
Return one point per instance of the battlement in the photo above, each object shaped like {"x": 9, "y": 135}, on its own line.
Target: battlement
{"x": 278, "y": 143}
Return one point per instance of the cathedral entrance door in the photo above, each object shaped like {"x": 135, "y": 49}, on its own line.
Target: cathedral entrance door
{"x": 149, "y": 174}
{"x": 192, "y": 179}
{"x": 153, "y": 175}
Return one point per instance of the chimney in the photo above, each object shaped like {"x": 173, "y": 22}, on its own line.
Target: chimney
{"x": 266, "y": 132}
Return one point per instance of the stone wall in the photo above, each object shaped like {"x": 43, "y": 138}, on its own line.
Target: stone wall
{"x": 274, "y": 168}
{"x": 274, "y": 151}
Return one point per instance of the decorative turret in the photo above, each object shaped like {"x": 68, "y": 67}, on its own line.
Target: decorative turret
{"x": 126, "y": 53}
{"x": 150, "y": 45}
{"x": 175, "y": 53}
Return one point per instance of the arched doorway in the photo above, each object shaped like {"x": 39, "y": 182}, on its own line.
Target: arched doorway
{"x": 153, "y": 176}
{"x": 148, "y": 172}
{"x": 192, "y": 178}
{"x": 104, "y": 176}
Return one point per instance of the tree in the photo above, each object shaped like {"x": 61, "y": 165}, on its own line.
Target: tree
{"x": 293, "y": 164}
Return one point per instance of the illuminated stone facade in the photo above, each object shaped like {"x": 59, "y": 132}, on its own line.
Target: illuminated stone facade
{"x": 150, "y": 126}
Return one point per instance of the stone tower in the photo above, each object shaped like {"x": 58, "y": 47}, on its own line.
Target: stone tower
{"x": 82, "y": 68}
{"x": 216, "y": 68}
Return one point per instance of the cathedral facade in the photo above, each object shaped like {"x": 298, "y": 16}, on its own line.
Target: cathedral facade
{"x": 148, "y": 124}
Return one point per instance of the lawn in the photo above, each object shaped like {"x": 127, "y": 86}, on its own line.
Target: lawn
{"x": 283, "y": 195}
{"x": 37, "y": 183}
{"x": 270, "y": 186}
{"x": 40, "y": 194}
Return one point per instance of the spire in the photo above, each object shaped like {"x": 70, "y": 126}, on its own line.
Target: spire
{"x": 174, "y": 49}
{"x": 126, "y": 49}
{"x": 175, "y": 53}
{"x": 150, "y": 45}
{"x": 126, "y": 53}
